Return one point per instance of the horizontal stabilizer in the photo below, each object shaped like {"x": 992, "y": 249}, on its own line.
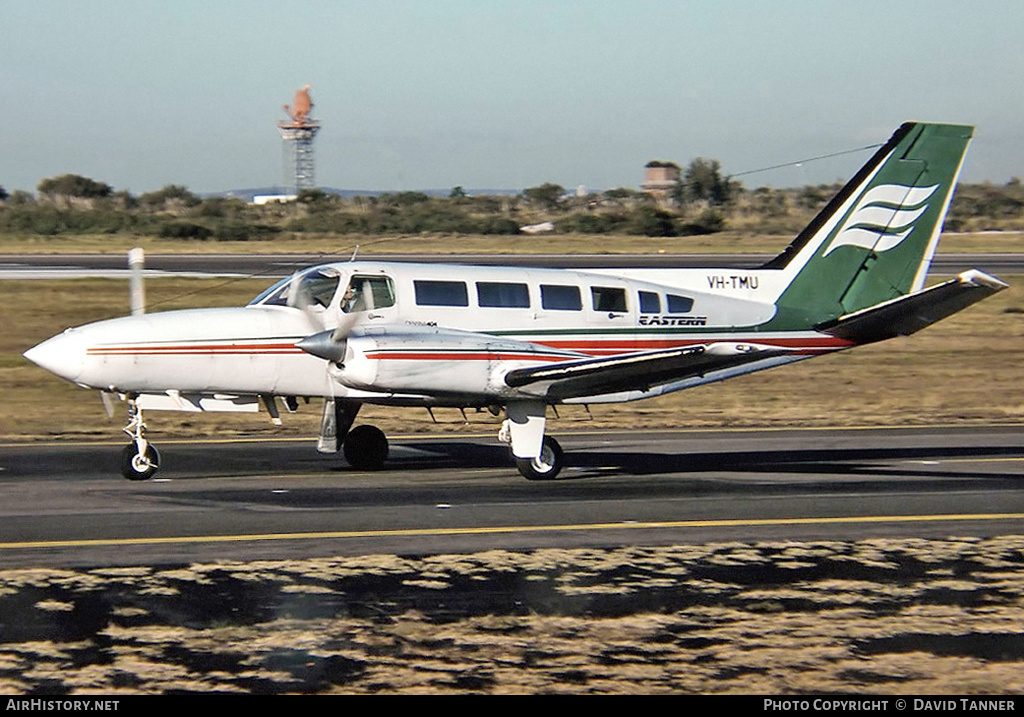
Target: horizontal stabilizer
{"x": 907, "y": 314}
{"x": 639, "y": 371}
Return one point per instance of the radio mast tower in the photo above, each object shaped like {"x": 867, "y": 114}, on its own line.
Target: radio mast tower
{"x": 298, "y": 133}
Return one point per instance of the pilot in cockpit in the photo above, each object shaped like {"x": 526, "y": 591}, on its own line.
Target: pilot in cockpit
{"x": 352, "y": 300}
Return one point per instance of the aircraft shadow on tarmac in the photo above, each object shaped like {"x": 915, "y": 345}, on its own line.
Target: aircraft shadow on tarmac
{"x": 582, "y": 464}
{"x": 189, "y": 461}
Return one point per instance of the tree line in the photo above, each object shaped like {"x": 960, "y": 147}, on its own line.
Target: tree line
{"x": 703, "y": 201}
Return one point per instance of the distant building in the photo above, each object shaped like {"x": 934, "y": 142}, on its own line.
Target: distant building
{"x": 660, "y": 177}
{"x": 541, "y": 228}
{"x": 273, "y": 198}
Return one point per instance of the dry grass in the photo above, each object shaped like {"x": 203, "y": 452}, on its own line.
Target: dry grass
{"x": 874, "y": 617}
{"x": 343, "y": 244}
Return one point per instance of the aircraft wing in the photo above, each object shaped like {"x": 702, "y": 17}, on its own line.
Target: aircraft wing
{"x": 637, "y": 371}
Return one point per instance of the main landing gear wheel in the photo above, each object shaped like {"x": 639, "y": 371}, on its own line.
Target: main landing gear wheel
{"x": 365, "y": 448}
{"x": 139, "y": 466}
{"x": 544, "y": 467}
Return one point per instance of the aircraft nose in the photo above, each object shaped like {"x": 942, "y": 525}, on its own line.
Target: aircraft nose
{"x": 63, "y": 355}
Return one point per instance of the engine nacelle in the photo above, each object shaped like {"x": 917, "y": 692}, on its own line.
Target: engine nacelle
{"x": 432, "y": 361}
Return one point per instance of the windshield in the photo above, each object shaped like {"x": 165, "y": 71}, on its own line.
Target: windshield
{"x": 316, "y": 287}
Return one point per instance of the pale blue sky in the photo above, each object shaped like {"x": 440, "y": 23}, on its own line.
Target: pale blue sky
{"x": 495, "y": 94}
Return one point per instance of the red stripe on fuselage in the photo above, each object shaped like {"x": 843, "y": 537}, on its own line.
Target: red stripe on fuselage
{"x": 461, "y": 356}
{"x": 810, "y": 345}
{"x": 194, "y": 349}
{"x": 584, "y": 346}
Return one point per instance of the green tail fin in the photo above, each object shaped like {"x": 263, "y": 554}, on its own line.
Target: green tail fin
{"x": 874, "y": 242}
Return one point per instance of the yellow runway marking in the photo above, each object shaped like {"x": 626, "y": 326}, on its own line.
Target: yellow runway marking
{"x": 427, "y": 532}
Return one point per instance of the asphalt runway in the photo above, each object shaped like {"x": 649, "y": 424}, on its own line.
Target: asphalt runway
{"x": 65, "y": 505}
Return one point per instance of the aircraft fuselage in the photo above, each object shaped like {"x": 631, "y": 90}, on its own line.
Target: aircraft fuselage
{"x": 420, "y": 337}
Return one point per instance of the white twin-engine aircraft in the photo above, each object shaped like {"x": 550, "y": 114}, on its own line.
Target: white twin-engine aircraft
{"x": 521, "y": 339}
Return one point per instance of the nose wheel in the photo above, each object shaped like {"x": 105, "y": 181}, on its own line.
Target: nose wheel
{"x": 140, "y": 458}
{"x": 139, "y": 465}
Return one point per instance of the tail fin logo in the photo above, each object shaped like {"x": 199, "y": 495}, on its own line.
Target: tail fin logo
{"x": 883, "y": 218}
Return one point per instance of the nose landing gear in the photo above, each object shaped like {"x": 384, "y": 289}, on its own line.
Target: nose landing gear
{"x": 140, "y": 459}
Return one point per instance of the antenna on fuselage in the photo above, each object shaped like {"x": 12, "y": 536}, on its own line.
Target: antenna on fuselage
{"x": 354, "y": 252}
{"x": 136, "y": 292}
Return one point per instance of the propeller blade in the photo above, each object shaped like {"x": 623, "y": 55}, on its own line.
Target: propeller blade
{"x": 344, "y": 328}
{"x": 300, "y": 298}
{"x": 328, "y": 344}
{"x": 108, "y": 403}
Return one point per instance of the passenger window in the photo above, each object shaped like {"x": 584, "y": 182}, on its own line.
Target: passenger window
{"x": 560, "y": 298}
{"x": 607, "y": 298}
{"x": 441, "y": 293}
{"x": 368, "y": 292}
{"x": 650, "y": 303}
{"x": 679, "y": 304}
{"x": 504, "y": 295}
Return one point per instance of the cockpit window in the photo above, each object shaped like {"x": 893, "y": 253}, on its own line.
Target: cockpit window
{"x": 315, "y": 288}
{"x": 271, "y": 291}
{"x": 368, "y": 292}
{"x": 319, "y": 289}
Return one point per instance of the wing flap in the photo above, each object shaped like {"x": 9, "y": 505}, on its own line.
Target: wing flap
{"x": 913, "y": 312}
{"x": 197, "y": 402}
{"x": 638, "y": 371}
